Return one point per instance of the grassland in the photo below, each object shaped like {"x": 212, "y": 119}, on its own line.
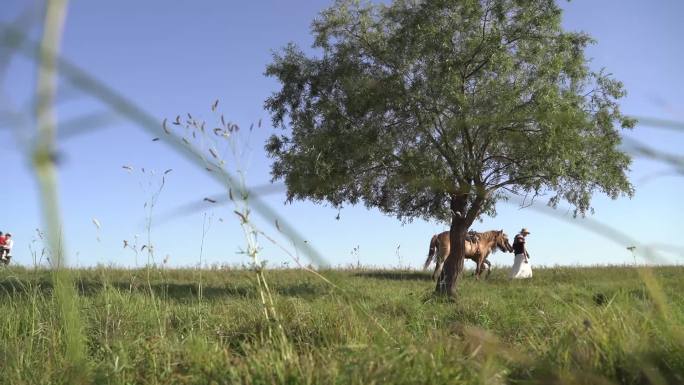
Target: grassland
{"x": 566, "y": 325}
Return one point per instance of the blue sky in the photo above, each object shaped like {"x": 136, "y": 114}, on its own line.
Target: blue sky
{"x": 176, "y": 57}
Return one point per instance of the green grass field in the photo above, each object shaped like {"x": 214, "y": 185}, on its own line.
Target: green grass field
{"x": 566, "y": 326}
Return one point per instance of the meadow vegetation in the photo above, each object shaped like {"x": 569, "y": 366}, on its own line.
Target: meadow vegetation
{"x": 566, "y": 326}
{"x": 593, "y": 325}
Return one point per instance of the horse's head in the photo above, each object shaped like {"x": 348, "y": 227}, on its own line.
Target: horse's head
{"x": 502, "y": 242}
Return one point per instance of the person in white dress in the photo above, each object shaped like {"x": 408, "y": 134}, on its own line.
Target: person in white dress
{"x": 521, "y": 265}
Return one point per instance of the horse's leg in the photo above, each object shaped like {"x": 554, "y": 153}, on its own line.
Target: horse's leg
{"x": 477, "y": 267}
{"x": 469, "y": 255}
{"x": 438, "y": 270}
{"x": 478, "y": 261}
{"x": 440, "y": 257}
{"x": 439, "y": 262}
{"x": 483, "y": 261}
{"x": 476, "y": 258}
{"x": 436, "y": 276}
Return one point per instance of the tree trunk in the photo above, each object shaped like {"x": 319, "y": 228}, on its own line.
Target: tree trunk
{"x": 446, "y": 284}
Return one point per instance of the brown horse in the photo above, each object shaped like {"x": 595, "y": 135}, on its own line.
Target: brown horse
{"x": 477, "y": 249}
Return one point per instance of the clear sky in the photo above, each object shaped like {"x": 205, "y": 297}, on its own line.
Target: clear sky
{"x": 174, "y": 57}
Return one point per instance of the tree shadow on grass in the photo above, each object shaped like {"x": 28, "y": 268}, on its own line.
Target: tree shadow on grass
{"x": 170, "y": 290}
{"x": 190, "y": 291}
{"x": 396, "y": 275}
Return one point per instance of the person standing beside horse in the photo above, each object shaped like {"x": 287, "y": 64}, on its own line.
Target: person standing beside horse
{"x": 521, "y": 264}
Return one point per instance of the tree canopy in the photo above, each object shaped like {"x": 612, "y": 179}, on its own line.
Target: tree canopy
{"x": 436, "y": 109}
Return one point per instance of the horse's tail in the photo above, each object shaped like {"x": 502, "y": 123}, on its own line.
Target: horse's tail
{"x": 431, "y": 251}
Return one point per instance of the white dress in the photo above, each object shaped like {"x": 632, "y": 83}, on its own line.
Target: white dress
{"x": 521, "y": 268}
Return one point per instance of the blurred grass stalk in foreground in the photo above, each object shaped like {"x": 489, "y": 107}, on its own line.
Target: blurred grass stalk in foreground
{"x": 44, "y": 162}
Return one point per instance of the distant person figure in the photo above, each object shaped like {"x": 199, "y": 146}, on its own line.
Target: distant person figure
{"x": 6, "y": 253}
{"x": 521, "y": 265}
{"x": 3, "y": 239}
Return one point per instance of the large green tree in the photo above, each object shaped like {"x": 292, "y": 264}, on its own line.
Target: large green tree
{"x": 438, "y": 109}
